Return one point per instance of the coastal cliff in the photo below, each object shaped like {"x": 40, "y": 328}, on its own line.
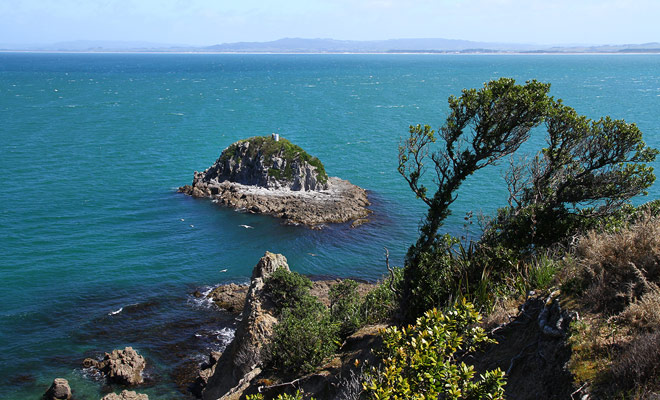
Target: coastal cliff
{"x": 269, "y": 175}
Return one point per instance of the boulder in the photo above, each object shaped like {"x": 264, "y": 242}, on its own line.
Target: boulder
{"x": 121, "y": 366}
{"x": 59, "y": 390}
{"x": 231, "y": 297}
{"x": 125, "y": 395}
{"x": 243, "y": 356}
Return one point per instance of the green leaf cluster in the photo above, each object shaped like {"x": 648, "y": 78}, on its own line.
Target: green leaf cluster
{"x": 297, "y": 396}
{"x": 423, "y": 361}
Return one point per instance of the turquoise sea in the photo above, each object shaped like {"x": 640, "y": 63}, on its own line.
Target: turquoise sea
{"x": 98, "y": 251}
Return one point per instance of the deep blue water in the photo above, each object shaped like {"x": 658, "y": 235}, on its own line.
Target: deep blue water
{"x": 93, "y": 146}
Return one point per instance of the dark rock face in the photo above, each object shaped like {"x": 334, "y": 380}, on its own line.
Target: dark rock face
{"x": 242, "y": 359}
{"x": 59, "y": 390}
{"x": 121, "y": 366}
{"x": 125, "y": 395}
{"x": 287, "y": 187}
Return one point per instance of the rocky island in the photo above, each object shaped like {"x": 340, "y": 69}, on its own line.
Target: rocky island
{"x": 270, "y": 175}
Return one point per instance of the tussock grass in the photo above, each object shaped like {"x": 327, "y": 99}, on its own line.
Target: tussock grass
{"x": 616, "y": 276}
{"x": 619, "y": 268}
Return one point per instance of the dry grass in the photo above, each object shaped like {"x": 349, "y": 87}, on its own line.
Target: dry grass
{"x": 644, "y": 314}
{"x": 620, "y": 267}
{"x": 637, "y": 369}
{"x": 617, "y": 347}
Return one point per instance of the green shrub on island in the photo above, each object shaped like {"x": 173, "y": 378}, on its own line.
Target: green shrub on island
{"x": 267, "y": 147}
{"x": 424, "y": 360}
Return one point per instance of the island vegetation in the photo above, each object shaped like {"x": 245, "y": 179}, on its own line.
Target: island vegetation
{"x": 268, "y": 148}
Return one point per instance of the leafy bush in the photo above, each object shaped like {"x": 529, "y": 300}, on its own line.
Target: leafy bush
{"x": 382, "y": 302}
{"x": 345, "y": 306}
{"x": 286, "y": 288}
{"x": 587, "y": 173}
{"x": 305, "y": 336}
{"x": 423, "y": 360}
{"x": 297, "y": 396}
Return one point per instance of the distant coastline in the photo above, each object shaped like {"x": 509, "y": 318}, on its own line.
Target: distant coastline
{"x": 331, "y": 46}
{"x": 430, "y": 53}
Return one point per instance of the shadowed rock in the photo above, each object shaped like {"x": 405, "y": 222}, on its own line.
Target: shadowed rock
{"x": 242, "y": 358}
{"x": 59, "y": 390}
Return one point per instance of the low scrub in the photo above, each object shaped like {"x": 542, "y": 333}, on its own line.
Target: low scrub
{"x": 424, "y": 360}
{"x": 619, "y": 268}
{"x": 305, "y": 336}
{"x": 615, "y": 277}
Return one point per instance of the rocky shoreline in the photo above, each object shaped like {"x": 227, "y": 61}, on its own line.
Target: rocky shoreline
{"x": 341, "y": 202}
{"x": 226, "y": 374}
{"x": 270, "y": 176}
{"x": 238, "y": 370}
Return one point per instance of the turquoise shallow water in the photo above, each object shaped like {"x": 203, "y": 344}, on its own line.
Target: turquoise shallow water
{"x": 93, "y": 147}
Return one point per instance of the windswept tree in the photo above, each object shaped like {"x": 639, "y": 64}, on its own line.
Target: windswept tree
{"x": 587, "y": 171}
{"x": 482, "y": 127}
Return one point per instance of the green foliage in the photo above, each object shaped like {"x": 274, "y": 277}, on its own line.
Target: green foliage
{"x": 482, "y": 127}
{"x": 305, "y": 336}
{"x": 306, "y": 333}
{"x": 297, "y": 396}
{"x": 587, "y": 172}
{"x": 584, "y": 178}
{"x": 268, "y": 148}
{"x": 422, "y": 361}
{"x": 381, "y": 303}
{"x": 345, "y": 306}
{"x": 286, "y": 289}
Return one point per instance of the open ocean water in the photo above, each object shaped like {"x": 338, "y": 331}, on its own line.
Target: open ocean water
{"x": 98, "y": 251}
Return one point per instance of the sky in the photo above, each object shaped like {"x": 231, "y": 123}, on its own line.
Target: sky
{"x": 208, "y": 22}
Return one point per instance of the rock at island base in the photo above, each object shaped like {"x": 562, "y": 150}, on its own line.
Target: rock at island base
{"x": 59, "y": 390}
{"x": 243, "y": 356}
{"x": 126, "y": 395}
{"x": 251, "y": 176}
{"x": 121, "y": 366}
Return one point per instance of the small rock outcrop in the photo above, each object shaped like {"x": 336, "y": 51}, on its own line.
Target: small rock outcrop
{"x": 125, "y": 395}
{"x": 242, "y": 359}
{"x": 59, "y": 390}
{"x": 231, "y": 297}
{"x": 121, "y": 366}
{"x": 265, "y": 176}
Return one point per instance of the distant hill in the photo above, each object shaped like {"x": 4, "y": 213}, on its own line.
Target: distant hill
{"x": 301, "y": 45}
{"x": 298, "y": 45}
{"x": 653, "y": 47}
